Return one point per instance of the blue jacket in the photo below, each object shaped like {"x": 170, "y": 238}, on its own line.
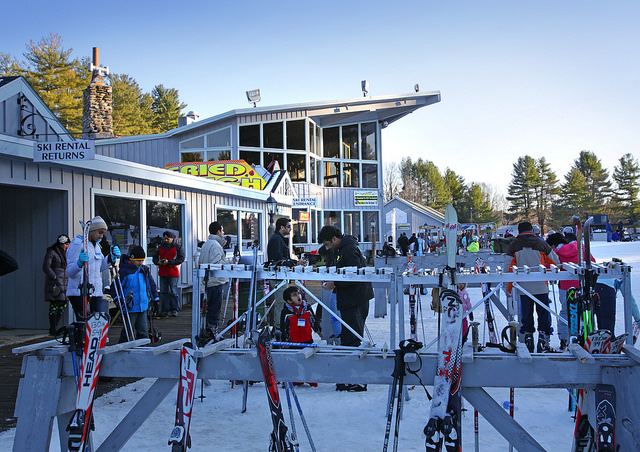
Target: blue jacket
{"x": 136, "y": 280}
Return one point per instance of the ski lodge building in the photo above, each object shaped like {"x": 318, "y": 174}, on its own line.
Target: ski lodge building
{"x": 324, "y": 160}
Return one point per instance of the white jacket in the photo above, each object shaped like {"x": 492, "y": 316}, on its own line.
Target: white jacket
{"x": 213, "y": 253}
{"x": 97, "y": 264}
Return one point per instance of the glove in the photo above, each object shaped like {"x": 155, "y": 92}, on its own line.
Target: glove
{"x": 115, "y": 253}
{"x": 82, "y": 259}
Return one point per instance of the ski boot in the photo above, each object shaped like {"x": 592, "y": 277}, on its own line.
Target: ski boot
{"x": 528, "y": 341}
{"x": 544, "y": 343}
{"x": 563, "y": 345}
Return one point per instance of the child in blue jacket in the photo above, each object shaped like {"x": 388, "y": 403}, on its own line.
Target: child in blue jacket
{"x": 136, "y": 279}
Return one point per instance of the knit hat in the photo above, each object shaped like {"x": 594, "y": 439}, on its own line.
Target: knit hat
{"x": 137, "y": 253}
{"x": 169, "y": 234}
{"x": 97, "y": 223}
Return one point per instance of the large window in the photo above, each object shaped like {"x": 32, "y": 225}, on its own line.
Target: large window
{"x": 273, "y": 135}
{"x": 352, "y": 224}
{"x": 299, "y": 229}
{"x": 332, "y": 217}
{"x": 331, "y": 174}
{"x": 369, "y": 216}
{"x": 162, "y": 216}
{"x": 350, "y": 173}
{"x": 122, "y": 216}
{"x": 250, "y": 136}
{"x": 331, "y": 142}
{"x": 219, "y": 138}
{"x": 350, "y": 142}
{"x": 211, "y": 147}
{"x": 297, "y": 166}
{"x": 295, "y": 135}
{"x": 369, "y": 175}
{"x": 368, "y": 137}
{"x": 250, "y": 222}
{"x": 240, "y": 228}
{"x": 251, "y": 157}
{"x": 229, "y": 221}
{"x": 271, "y": 157}
{"x": 124, "y": 219}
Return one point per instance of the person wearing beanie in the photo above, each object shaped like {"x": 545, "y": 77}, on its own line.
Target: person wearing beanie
{"x": 168, "y": 258}
{"x": 77, "y": 257}
{"x": 55, "y": 285}
{"x": 528, "y": 249}
{"x": 137, "y": 280}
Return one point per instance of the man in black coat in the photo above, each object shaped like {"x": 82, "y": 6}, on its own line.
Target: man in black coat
{"x": 352, "y": 297}
{"x": 403, "y": 244}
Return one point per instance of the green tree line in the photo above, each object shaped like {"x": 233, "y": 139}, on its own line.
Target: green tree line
{"x": 535, "y": 193}
{"x": 60, "y": 79}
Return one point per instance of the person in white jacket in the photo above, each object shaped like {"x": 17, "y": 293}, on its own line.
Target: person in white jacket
{"x": 77, "y": 256}
{"x": 212, "y": 252}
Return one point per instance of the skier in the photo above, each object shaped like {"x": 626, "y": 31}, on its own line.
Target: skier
{"x": 136, "y": 278}
{"x": 55, "y": 286}
{"x": 169, "y": 257}
{"x": 527, "y": 249}
{"x": 77, "y": 256}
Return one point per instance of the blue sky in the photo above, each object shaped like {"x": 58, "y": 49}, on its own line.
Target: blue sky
{"x": 543, "y": 78}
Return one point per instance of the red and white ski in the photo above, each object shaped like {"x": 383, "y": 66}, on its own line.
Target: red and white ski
{"x": 96, "y": 330}
{"x": 179, "y": 440}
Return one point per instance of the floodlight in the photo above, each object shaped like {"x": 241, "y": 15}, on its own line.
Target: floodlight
{"x": 365, "y": 87}
{"x": 253, "y": 96}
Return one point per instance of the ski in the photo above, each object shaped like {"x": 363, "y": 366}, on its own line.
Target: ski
{"x": 443, "y": 428}
{"x": 280, "y": 439}
{"x": 411, "y": 270}
{"x": 488, "y": 311}
{"x": 605, "y": 418}
{"x": 96, "y": 328}
{"x": 180, "y": 440}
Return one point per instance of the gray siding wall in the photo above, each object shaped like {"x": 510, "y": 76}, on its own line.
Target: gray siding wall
{"x": 41, "y": 201}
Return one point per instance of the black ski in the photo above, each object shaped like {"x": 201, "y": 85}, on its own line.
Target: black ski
{"x": 605, "y": 418}
{"x": 280, "y": 439}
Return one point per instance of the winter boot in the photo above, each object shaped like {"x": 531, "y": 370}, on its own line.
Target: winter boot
{"x": 563, "y": 345}
{"x": 543, "y": 343}
{"x": 528, "y": 341}
{"x": 53, "y": 323}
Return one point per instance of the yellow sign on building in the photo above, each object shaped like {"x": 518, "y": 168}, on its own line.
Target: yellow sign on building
{"x": 237, "y": 172}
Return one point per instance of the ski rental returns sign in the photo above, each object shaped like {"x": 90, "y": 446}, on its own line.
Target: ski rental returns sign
{"x": 237, "y": 172}
{"x": 63, "y": 151}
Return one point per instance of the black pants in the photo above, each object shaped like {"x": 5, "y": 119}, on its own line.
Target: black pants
{"x": 95, "y": 305}
{"x": 354, "y": 316}
{"x": 606, "y": 312}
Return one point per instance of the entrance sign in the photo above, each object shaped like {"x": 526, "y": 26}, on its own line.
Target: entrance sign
{"x": 304, "y": 202}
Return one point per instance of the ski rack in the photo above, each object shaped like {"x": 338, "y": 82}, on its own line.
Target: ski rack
{"x": 37, "y": 405}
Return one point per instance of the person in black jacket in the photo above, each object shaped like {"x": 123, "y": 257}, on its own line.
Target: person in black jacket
{"x": 352, "y": 297}
{"x": 278, "y": 254}
{"x": 55, "y": 285}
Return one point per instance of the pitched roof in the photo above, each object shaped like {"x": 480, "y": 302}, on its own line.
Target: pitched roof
{"x": 429, "y": 211}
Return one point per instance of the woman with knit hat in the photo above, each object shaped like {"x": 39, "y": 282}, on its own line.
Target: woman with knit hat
{"x": 77, "y": 256}
{"x": 55, "y": 286}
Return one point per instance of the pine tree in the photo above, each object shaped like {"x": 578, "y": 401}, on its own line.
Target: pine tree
{"x": 546, "y": 192}
{"x": 131, "y": 107}
{"x": 522, "y": 188}
{"x": 597, "y": 181}
{"x": 166, "y": 107}
{"x": 457, "y": 188}
{"x": 57, "y": 78}
{"x": 481, "y": 203}
{"x": 627, "y": 177}
{"x": 574, "y": 199}
{"x": 434, "y": 193}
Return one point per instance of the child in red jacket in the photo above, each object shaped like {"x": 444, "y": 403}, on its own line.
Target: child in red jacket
{"x": 297, "y": 321}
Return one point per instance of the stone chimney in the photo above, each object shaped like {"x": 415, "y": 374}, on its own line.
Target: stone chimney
{"x": 97, "y": 104}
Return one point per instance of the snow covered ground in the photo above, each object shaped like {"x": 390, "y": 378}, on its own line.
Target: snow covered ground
{"x": 343, "y": 421}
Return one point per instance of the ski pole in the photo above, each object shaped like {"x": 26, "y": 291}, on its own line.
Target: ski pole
{"x": 294, "y": 435}
{"x": 302, "y": 418}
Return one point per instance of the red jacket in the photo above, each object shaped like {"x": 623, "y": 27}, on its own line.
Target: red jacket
{"x": 175, "y": 256}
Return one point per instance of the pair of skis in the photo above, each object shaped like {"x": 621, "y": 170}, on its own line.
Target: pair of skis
{"x": 180, "y": 440}
{"x": 443, "y": 430}
{"x": 96, "y": 327}
{"x": 596, "y": 409}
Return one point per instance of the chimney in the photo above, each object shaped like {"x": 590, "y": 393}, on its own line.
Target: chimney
{"x": 97, "y": 104}
{"x": 191, "y": 117}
